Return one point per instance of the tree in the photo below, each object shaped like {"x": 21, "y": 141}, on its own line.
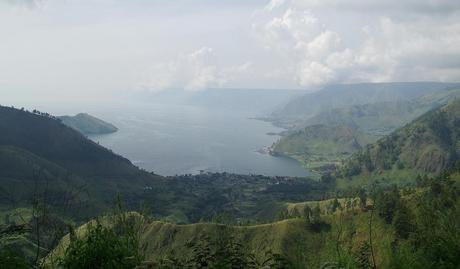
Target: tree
{"x": 104, "y": 247}
{"x": 295, "y": 213}
{"x": 402, "y": 222}
{"x": 362, "y": 257}
{"x": 362, "y": 198}
{"x": 335, "y": 205}
{"x": 387, "y": 203}
{"x": 10, "y": 260}
{"x": 202, "y": 254}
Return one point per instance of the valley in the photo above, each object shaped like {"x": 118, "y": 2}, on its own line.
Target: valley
{"x": 362, "y": 205}
{"x": 260, "y": 134}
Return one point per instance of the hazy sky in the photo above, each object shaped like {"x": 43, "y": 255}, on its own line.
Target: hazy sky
{"x": 80, "y": 48}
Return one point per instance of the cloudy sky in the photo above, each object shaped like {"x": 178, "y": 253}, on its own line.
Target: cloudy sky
{"x": 80, "y": 48}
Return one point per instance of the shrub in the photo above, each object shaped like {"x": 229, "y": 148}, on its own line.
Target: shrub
{"x": 104, "y": 248}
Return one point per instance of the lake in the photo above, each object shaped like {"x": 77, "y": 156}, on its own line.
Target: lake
{"x": 210, "y": 131}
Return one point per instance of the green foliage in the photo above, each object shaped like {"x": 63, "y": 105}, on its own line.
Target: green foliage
{"x": 10, "y": 260}
{"x": 438, "y": 225}
{"x": 387, "y": 203}
{"x": 229, "y": 253}
{"x": 335, "y": 205}
{"x": 402, "y": 222}
{"x": 431, "y": 227}
{"x": 363, "y": 256}
{"x": 203, "y": 256}
{"x": 320, "y": 146}
{"x": 103, "y": 247}
{"x": 425, "y": 146}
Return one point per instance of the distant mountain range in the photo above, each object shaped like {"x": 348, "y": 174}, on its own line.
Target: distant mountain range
{"x": 346, "y": 95}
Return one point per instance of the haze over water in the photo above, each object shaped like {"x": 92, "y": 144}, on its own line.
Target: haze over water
{"x": 174, "y": 133}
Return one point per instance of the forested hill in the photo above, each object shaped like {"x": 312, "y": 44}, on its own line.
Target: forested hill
{"x": 41, "y": 157}
{"x": 428, "y": 145}
{"x": 46, "y": 137}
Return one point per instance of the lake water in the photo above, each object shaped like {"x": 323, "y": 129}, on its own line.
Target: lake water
{"x": 210, "y": 132}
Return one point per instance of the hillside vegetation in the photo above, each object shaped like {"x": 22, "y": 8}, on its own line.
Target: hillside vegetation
{"x": 375, "y": 111}
{"x": 299, "y": 242}
{"x": 412, "y": 228}
{"x": 429, "y": 145}
{"x": 319, "y": 145}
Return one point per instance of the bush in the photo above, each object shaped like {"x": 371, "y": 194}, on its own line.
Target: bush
{"x": 10, "y": 260}
{"x": 104, "y": 248}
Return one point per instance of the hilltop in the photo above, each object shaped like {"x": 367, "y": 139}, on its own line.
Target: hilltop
{"x": 301, "y": 243}
{"x": 87, "y": 124}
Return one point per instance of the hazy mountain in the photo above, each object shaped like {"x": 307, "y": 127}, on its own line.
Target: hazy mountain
{"x": 337, "y": 99}
{"x": 87, "y": 124}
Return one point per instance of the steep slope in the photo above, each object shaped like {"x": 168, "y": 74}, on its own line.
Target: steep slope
{"x": 87, "y": 124}
{"x": 319, "y": 145}
{"x": 428, "y": 145}
{"x": 39, "y": 155}
{"x": 50, "y": 139}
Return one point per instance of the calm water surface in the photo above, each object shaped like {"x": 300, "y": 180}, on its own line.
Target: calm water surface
{"x": 178, "y": 139}
{"x": 171, "y": 139}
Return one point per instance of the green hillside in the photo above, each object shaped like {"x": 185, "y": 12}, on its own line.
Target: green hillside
{"x": 332, "y": 134}
{"x": 87, "y": 124}
{"x": 301, "y": 243}
{"x": 428, "y": 145}
{"x": 409, "y": 228}
{"x": 320, "y": 145}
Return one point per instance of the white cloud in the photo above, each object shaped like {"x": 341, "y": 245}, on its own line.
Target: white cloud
{"x": 195, "y": 71}
{"x": 105, "y": 47}
{"x": 32, "y": 4}
{"x": 385, "y": 47}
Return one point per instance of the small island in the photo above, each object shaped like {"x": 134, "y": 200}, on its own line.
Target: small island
{"x": 88, "y": 125}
